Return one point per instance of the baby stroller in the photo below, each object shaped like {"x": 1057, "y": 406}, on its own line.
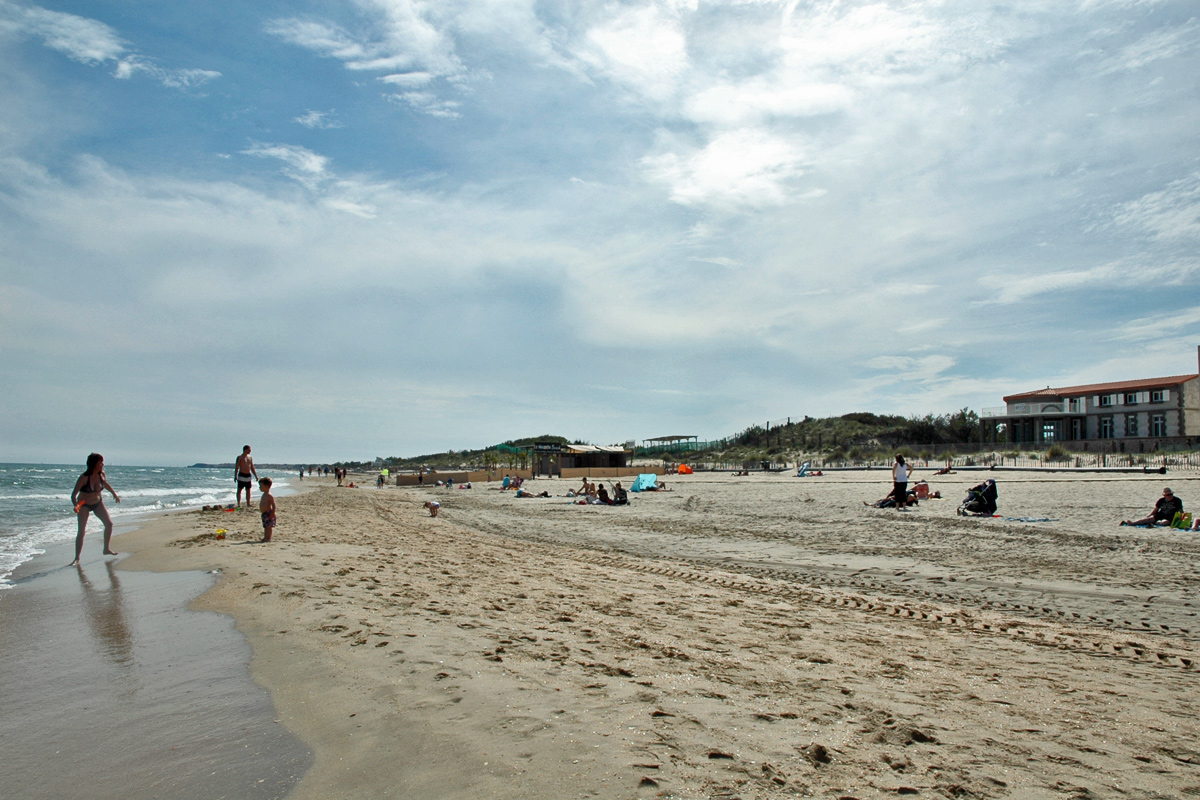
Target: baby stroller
{"x": 981, "y": 500}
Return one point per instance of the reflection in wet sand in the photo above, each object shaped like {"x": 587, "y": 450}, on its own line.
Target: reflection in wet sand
{"x": 106, "y": 617}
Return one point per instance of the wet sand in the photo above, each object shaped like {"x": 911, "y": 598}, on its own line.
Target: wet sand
{"x": 113, "y": 689}
{"x": 736, "y": 637}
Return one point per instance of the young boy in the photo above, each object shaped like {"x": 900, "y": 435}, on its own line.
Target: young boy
{"x": 433, "y": 506}
{"x": 267, "y": 506}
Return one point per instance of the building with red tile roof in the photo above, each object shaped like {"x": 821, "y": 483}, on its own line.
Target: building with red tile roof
{"x": 1131, "y": 416}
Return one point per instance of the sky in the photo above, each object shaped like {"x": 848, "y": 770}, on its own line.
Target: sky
{"x": 358, "y": 228}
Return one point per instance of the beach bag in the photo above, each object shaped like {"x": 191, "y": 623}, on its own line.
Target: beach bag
{"x": 1181, "y": 520}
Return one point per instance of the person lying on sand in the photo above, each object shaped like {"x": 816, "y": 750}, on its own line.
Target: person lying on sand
{"x": 1164, "y": 511}
{"x": 890, "y": 500}
{"x": 524, "y": 493}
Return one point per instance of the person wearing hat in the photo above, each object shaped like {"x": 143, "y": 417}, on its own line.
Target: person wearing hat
{"x": 1164, "y": 511}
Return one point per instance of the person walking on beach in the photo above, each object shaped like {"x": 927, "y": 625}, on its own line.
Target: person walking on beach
{"x": 87, "y": 498}
{"x": 244, "y": 470}
{"x": 900, "y": 482}
{"x": 267, "y": 506}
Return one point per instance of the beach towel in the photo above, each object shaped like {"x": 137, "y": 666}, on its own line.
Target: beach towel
{"x": 1029, "y": 519}
{"x": 647, "y": 480}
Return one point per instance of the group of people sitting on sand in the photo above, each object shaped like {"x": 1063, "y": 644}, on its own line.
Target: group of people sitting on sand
{"x": 1167, "y": 513}
{"x": 596, "y": 494}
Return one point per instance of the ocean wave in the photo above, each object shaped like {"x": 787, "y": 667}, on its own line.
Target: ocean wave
{"x": 182, "y": 490}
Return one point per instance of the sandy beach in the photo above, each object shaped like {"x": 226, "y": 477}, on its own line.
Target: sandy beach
{"x": 752, "y": 637}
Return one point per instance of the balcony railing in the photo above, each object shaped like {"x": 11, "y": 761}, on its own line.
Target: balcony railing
{"x": 1031, "y": 410}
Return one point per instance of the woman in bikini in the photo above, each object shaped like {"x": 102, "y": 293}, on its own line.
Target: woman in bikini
{"x": 87, "y": 499}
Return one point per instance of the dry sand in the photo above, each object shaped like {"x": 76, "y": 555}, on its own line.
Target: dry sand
{"x": 752, "y": 637}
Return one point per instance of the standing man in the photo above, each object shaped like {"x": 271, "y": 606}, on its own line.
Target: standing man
{"x": 900, "y": 483}
{"x": 246, "y": 474}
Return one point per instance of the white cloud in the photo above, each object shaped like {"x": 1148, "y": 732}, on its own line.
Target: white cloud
{"x": 172, "y": 78}
{"x": 92, "y": 42}
{"x": 402, "y": 37}
{"x": 427, "y": 103}
{"x": 1160, "y": 326}
{"x": 298, "y": 158}
{"x": 87, "y": 41}
{"x": 1157, "y": 46}
{"x": 738, "y": 168}
{"x": 908, "y": 368}
{"x": 1170, "y": 214}
{"x": 317, "y": 119}
{"x": 408, "y": 79}
{"x": 1009, "y": 289}
{"x": 644, "y": 48}
{"x": 762, "y": 98}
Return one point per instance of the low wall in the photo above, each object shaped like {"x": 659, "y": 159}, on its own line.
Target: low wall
{"x": 609, "y": 472}
{"x": 472, "y": 476}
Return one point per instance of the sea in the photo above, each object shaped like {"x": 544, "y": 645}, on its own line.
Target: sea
{"x": 35, "y": 501}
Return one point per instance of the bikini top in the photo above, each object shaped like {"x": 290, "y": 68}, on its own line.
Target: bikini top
{"x": 87, "y": 484}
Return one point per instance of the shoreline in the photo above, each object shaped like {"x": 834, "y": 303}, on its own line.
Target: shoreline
{"x": 141, "y": 691}
{"x": 114, "y": 682}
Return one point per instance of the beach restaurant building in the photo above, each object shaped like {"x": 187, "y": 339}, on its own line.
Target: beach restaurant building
{"x": 1126, "y": 416}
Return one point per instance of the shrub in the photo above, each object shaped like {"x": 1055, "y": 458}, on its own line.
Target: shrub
{"x": 1057, "y": 453}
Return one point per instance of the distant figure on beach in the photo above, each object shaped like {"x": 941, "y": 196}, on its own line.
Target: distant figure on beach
{"x": 302, "y": 473}
{"x": 620, "y": 496}
{"x": 1164, "y": 511}
{"x": 433, "y": 506}
{"x": 87, "y": 499}
{"x": 244, "y": 471}
{"x": 602, "y": 494}
{"x": 267, "y": 506}
{"x": 900, "y": 482}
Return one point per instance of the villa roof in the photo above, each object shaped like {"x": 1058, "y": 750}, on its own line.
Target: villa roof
{"x": 1102, "y": 388}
